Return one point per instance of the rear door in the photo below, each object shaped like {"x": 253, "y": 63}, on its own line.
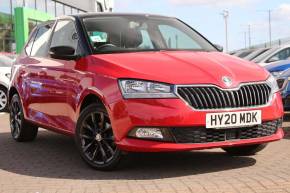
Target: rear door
{"x": 34, "y": 72}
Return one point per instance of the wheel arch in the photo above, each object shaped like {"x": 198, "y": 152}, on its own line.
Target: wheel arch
{"x": 12, "y": 91}
{"x": 90, "y": 96}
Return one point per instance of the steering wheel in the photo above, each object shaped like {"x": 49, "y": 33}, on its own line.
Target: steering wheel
{"x": 105, "y": 46}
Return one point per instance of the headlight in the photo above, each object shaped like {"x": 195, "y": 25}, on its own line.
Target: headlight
{"x": 146, "y": 89}
{"x": 278, "y": 73}
{"x": 8, "y": 75}
{"x": 272, "y": 82}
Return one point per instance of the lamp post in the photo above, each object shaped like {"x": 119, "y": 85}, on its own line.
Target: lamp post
{"x": 250, "y": 37}
{"x": 225, "y": 15}
{"x": 269, "y": 24}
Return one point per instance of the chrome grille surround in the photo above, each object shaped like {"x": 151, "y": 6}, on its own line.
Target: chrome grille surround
{"x": 207, "y": 97}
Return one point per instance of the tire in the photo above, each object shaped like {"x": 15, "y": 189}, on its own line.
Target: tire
{"x": 95, "y": 139}
{"x": 21, "y": 130}
{"x": 245, "y": 150}
{"x": 3, "y": 99}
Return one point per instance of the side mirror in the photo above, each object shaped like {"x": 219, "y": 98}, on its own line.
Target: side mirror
{"x": 219, "y": 47}
{"x": 63, "y": 53}
{"x": 273, "y": 59}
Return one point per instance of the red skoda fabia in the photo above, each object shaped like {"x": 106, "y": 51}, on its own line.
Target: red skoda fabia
{"x": 139, "y": 83}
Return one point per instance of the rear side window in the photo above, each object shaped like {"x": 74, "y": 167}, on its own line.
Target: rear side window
{"x": 40, "y": 44}
{"x": 30, "y": 43}
{"x": 65, "y": 34}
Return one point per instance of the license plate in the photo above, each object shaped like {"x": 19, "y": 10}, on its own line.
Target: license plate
{"x": 233, "y": 119}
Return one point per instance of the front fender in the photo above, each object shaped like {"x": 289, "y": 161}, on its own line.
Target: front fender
{"x": 89, "y": 91}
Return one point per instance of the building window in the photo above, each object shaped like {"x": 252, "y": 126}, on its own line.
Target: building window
{"x": 51, "y": 7}
{"x": 59, "y": 9}
{"x": 30, "y": 3}
{"x": 80, "y": 11}
{"x": 6, "y": 31}
{"x": 41, "y": 5}
{"x": 17, "y": 3}
{"x": 67, "y": 10}
{"x": 74, "y": 11}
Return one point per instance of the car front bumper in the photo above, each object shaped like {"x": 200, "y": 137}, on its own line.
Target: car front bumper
{"x": 127, "y": 115}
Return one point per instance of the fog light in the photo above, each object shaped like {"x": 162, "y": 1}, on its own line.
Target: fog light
{"x": 151, "y": 133}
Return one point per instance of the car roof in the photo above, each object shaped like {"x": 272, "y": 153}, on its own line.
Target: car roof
{"x": 87, "y": 15}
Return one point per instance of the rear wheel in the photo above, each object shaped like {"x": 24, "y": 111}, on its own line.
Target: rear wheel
{"x": 3, "y": 99}
{"x": 21, "y": 130}
{"x": 95, "y": 139}
{"x": 245, "y": 150}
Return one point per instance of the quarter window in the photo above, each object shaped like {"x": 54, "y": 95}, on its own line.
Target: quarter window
{"x": 65, "y": 35}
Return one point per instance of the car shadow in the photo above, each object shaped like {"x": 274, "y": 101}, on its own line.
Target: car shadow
{"x": 55, "y": 156}
{"x": 286, "y": 125}
{"x": 287, "y": 133}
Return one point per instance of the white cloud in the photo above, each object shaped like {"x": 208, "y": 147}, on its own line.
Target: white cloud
{"x": 213, "y": 2}
{"x": 282, "y": 12}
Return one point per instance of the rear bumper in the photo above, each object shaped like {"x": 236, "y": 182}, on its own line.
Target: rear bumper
{"x": 136, "y": 145}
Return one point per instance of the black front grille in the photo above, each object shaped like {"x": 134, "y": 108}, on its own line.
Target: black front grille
{"x": 210, "y": 97}
{"x": 203, "y": 135}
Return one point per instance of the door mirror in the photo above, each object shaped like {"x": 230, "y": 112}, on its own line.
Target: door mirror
{"x": 273, "y": 59}
{"x": 219, "y": 47}
{"x": 63, "y": 53}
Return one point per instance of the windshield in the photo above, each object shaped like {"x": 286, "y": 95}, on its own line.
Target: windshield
{"x": 5, "y": 61}
{"x": 142, "y": 33}
{"x": 260, "y": 58}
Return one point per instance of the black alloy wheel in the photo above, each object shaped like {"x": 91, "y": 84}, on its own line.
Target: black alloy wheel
{"x": 21, "y": 130}
{"x": 95, "y": 139}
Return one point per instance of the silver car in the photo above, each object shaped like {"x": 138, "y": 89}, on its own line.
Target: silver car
{"x": 5, "y": 73}
{"x": 273, "y": 55}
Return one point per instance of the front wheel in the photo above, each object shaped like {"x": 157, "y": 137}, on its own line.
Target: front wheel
{"x": 245, "y": 150}
{"x": 95, "y": 139}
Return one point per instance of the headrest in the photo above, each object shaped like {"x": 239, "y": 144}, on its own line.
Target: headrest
{"x": 132, "y": 38}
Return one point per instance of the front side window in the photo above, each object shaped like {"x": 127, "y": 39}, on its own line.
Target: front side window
{"x": 142, "y": 33}
{"x": 41, "y": 40}
{"x": 282, "y": 55}
{"x": 65, "y": 35}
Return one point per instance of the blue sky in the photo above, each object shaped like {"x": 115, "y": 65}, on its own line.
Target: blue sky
{"x": 204, "y": 16}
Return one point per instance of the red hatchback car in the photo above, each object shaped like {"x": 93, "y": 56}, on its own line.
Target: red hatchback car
{"x": 139, "y": 83}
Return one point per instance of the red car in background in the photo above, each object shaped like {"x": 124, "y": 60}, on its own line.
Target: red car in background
{"x": 139, "y": 83}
